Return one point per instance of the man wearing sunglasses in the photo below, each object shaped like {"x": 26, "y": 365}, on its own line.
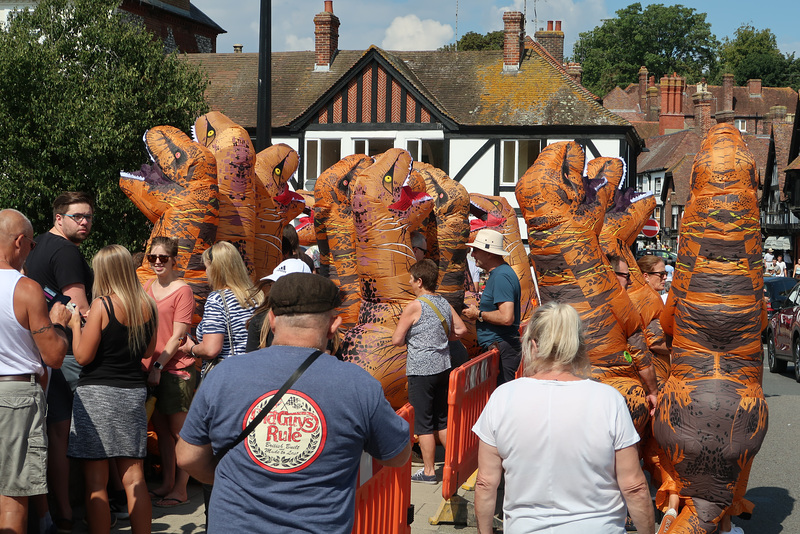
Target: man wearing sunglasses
{"x": 58, "y": 264}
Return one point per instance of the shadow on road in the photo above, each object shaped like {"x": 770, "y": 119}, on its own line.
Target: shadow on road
{"x": 772, "y": 506}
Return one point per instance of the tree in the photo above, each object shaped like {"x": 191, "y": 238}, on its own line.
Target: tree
{"x": 477, "y": 41}
{"x": 752, "y": 54}
{"x": 78, "y": 87}
{"x": 662, "y": 38}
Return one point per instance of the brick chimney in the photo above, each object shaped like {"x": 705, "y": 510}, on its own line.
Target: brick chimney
{"x": 653, "y": 110}
{"x": 513, "y": 40}
{"x": 754, "y": 87}
{"x": 726, "y": 113}
{"x": 702, "y": 112}
{"x": 643, "y": 89}
{"x": 671, "y": 118}
{"x": 552, "y": 40}
{"x": 778, "y": 114}
{"x": 326, "y": 35}
{"x": 575, "y": 71}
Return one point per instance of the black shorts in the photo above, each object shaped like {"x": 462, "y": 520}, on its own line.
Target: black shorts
{"x": 428, "y": 396}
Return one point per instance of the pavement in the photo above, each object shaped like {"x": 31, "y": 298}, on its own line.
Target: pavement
{"x": 190, "y": 518}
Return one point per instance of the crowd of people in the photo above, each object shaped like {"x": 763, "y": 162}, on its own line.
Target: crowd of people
{"x": 77, "y": 374}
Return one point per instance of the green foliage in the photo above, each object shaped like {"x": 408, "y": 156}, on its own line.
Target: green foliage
{"x": 79, "y": 85}
{"x": 754, "y": 53}
{"x": 665, "y": 39}
{"x": 476, "y": 41}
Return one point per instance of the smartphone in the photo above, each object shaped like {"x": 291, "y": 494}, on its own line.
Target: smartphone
{"x": 52, "y": 296}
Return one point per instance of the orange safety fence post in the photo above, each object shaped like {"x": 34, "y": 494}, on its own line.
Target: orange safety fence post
{"x": 471, "y": 385}
{"x": 383, "y": 498}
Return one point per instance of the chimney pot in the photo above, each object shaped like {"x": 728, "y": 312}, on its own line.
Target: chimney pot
{"x": 237, "y": 48}
{"x": 549, "y": 25}
{"x": 328, "y": 6}
{"x": 552, "y": 40}
{"x": 558, "y": 25}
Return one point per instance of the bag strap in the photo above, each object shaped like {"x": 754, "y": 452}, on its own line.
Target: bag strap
{"x": 438, "y": 314}
{"x": 270, "y": 405}
{"x": 228, "y": 322}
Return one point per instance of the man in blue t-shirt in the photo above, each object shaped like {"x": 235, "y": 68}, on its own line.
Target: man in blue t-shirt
{"x": 498, "y": 314}
{"x": 296, "y": 472}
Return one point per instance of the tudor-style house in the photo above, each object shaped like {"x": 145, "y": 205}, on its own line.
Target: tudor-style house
{"x": 481, "y": 116}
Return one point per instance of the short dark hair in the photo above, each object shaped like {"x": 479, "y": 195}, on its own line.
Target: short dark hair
{"x": 66, "y": 199}
{"x": 427, "y": 271}
{"x": 167, "y": 242}
{"x": 615, "y": 260}
{"x": 290, "y": 241}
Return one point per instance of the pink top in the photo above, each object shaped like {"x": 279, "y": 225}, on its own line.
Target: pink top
{"x": 177, "y": 307}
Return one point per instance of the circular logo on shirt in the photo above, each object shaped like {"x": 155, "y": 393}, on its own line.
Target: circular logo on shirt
{"x": 290, "y": 437}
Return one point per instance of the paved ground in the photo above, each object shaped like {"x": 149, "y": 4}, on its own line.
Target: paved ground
{"x": 773, "y": 483}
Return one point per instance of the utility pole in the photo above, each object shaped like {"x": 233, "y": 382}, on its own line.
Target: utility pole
{"x": 264, "y": 106}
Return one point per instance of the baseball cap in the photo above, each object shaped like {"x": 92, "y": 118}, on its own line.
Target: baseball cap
{"x": 292, "y": 265}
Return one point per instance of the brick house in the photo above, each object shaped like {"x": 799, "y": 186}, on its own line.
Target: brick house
{"x": 673, "y": 117}
{"x": 481, "y": 116}
{"x": 178, "y": 23}
{"x": 780, "y": 202}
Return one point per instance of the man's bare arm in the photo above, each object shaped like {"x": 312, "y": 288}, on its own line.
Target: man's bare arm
{"x": 31, "y": 311}
{"x": 77, "y": 295}
{"x": 197, "y": 460}
{"x": 400, "y": 459}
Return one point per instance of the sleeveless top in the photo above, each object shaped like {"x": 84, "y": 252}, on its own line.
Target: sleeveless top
{"x": 18, "y": 353}
{"x": 115, "y": 364}
{"x": 428, "y": 351}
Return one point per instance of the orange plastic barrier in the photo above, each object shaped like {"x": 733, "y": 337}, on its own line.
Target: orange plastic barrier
{"x": 470, "y": 388}
{"x": 383, "y": 499}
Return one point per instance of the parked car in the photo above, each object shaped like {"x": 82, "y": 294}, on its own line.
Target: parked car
{"x": 776, "y": 290}
{"x": 661, "y": 253}
{"x": 783, "y": 333}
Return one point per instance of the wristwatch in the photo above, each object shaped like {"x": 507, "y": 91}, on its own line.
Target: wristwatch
{"x": 191, "y": 352}
{"x": 157, "y": 365}
{"x": 480, "y": 316}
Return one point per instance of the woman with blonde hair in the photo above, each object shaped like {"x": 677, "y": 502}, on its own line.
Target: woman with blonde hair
{"x": 109, "y": 420}
{"x": 222, "y": 332}
{"x": 567, "y": 444}
{"x": 170, "y": 371}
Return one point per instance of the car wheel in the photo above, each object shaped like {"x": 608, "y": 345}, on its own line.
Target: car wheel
{"x": 796, "y": 355}
{"x": 775, "y": 365}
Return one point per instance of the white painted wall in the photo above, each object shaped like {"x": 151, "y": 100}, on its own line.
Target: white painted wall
{"x": 480, "y": 178}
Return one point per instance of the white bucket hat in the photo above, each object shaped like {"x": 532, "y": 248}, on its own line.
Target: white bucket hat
{"x": 292, "y": 265}
{"x": 490, "y": 241}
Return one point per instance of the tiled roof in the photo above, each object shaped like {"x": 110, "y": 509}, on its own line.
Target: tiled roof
{"x": 759, "y": 147}
{"x": 469, "y": 87}
{"x": 682, "y": 178}
{"x": 645, "y": 129}
{"x": 667, "y": 150}
{"x": 793, "y": 166}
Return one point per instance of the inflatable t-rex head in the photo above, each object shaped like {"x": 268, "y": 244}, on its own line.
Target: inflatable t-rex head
{"x": 711, "y": 417}
{"x": 276, "y": 204}
{"x": 389, "y": 202}
{"x": 235, "y": 157}
{"x": 179, "y": 194}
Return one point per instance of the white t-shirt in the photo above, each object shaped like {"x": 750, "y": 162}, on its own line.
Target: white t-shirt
{"x": 558, "y": 442}
{"x": 780, "y": 268}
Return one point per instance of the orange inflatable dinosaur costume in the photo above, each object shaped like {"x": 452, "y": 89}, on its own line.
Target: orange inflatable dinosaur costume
{"x": 336, "y": 232}
{"x": 712, "y": 417}
{"x": 389, "y": 202}
{"x": 179, "y": 195}
{"x": 564, "y": 212}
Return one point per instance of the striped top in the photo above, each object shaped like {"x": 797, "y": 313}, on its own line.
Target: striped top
{"x": 214, "y": 321}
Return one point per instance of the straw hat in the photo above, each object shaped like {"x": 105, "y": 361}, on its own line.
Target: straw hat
{"x": 490, "y": 241}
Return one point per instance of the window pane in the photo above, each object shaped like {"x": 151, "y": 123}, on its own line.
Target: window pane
{"x": 379, "y": 146}
{"x": 312, "y": 150}
{"x": 330, "y": 153}
{"x": 412, "y": 145}
{"x": 360, "y": 146}
{"x": 433, "y": 153}
{"x": 508, "y": 172}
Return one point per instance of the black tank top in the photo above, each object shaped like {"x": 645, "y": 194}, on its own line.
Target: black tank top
{"x": 114, "y": 363}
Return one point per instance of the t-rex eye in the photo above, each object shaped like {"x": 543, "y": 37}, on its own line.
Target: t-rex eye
{"x": 211, "y": 133}
{"x": 387, "y": 178}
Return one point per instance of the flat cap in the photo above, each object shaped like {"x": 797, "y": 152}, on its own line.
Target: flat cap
{"x": 297, "y": 293}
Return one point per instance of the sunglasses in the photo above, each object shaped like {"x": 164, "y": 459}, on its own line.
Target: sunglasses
{"x": 626, "y": 276}
{"x": 163, "y": 258}
{"x": 662, "y": 274}
{"x": 33, "y": 243}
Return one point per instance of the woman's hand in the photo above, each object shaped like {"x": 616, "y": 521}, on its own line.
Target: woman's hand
{"x": 154, "y": 378}
{"x": 74, "y": 319}
{"x": 187, "y": 345}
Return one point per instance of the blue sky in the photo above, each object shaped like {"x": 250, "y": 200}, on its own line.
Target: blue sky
{"x": 429, "y": 24}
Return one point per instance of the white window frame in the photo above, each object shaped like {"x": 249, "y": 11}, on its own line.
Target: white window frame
{"x": 741, "y": 125}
